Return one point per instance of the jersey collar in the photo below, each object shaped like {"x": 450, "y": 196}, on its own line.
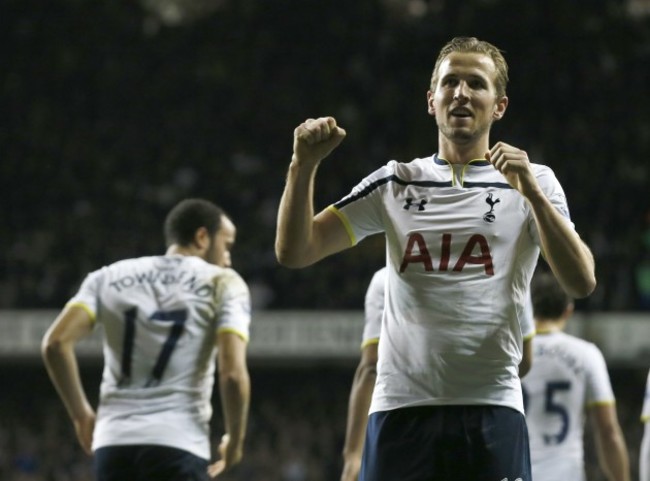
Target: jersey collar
{"x": 474, "y": 162}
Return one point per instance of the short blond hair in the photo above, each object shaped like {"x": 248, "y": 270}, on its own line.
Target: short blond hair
{"x": 474, "y": 45}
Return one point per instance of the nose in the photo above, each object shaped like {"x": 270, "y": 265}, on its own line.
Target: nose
{"x": 460, "y": 93}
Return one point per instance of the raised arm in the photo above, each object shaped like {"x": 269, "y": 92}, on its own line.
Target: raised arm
{"x": 612, "y": 450}
{"x": 58, "y": 353}
{"x": 568, "y": 256}
{"x": 302, "y": 238}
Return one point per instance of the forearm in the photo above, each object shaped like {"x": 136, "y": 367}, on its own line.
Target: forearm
{"x": 569, "y": 257}
{"x": 295, "y": 216}
{"x": 62, "y": 367}
{"x": 235, "y": 399}
{"x": 360, "y": 397}
{"x": 613, "y": 456}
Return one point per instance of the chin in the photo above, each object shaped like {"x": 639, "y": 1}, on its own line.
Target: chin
{"x": 460, "y": 136}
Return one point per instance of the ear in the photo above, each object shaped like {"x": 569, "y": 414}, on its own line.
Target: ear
{"x": 500, "y": 108}
{"x": 201, "y": 239}
{"x": 430, "y": 107}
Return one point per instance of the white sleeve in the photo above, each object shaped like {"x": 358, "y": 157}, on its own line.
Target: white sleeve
{"x": 555, "y": 193}
{"x": 362, "y": 210}
{"x": 88, "y": 294}
{"x": 234, "y": 305}
{"x": 374, "y": 307}
{"x": 599, "y": 387}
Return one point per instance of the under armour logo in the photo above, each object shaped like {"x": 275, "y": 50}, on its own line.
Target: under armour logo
{"x": 409, "y": 203}
{"x": 489, "y": 217}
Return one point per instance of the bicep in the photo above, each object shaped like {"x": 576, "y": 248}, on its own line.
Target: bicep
{"x": 369, "y": 354}
{"x": 604, "y": 418}
{"x": 231, "y": 350}
{"x": 73, "y": 323}
{"x": 330, "y": 234}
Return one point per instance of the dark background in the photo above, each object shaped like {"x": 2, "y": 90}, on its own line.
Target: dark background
{"x": 110, "y": 115}
{"x": 295, "y": 431}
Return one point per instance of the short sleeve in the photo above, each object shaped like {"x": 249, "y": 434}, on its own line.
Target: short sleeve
{"x": 234, "y": 305}
{"x": 374, "y": 307}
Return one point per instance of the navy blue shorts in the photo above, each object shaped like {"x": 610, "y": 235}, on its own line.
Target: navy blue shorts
{"x": 446, "y": 443}
{"x": 143, "y": 462}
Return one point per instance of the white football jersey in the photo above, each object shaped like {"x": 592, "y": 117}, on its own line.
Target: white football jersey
{"x": 568, "y": 376}
{"x": 374, "y": 308}
{"x": 160, "y": 317}
{"x": 462, "y": 246}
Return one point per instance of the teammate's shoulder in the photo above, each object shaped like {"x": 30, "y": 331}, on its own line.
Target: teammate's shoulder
{"x": 125, "y": 264}
{"x": 579, "y": 343}
{"x": 227, "y": 279}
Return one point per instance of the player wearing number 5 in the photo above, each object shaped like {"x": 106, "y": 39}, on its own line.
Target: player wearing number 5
{"x": 568, "y": 378}
{"x": 166, "y": 320}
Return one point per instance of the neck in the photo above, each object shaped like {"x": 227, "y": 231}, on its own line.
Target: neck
{"x": 546, "y": 326}
{"x": 176, "y": 249}
{"x": 456, "y": 153}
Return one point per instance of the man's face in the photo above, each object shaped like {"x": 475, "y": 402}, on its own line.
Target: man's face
{"x": 221, "y": 244}
{"x": 464, "y": 99}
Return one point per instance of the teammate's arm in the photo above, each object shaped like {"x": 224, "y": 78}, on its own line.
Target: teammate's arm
{"x": 234, "y": 389}
{"x": 302, "y": 239}
{"x": 568, "y": 256}
{"x": 610, "y": 443}
{"x": 57, "y": 349}
{"x": 359, "y": 403}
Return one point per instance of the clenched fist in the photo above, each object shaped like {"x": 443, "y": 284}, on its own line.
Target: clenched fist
{"x": 513, "y": 163}
{"x": 314, "y": 139}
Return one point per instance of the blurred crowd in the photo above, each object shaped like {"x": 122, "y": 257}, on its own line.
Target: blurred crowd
{"x": 295, "y": 432}
{"x": 110, "y": 116}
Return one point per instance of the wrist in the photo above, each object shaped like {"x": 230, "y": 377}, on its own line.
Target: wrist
{"x": 298, "y": 162}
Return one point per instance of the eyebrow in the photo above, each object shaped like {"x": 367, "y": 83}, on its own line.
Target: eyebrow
{"x": 471, "y": 76}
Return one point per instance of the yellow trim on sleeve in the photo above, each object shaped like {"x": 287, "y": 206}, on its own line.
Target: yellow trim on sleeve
{"x": 610, "y": 402}
{"x": 368, "y": 342}
{"x": 345, "y": 222}
{"x": 530, "y": 336}
{"x": 645, "y": 419}
{"x": 81, "y": 305}
{"x": 230, "y": 330}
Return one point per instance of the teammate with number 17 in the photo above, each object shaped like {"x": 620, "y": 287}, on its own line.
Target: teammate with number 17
{"x": 464, "y": 228}
{"x": 168, "y": 320}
